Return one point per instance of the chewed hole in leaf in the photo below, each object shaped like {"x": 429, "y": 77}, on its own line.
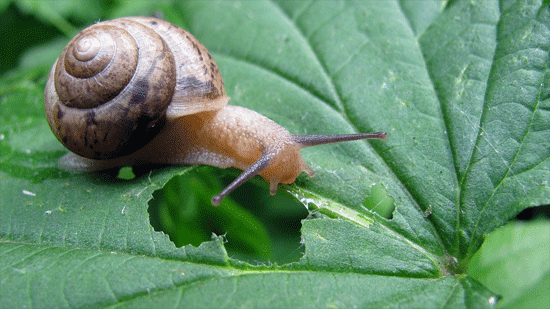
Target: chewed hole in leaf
{"x": 379, "y": 202}
{"x": 126, "y": 173}
{"x": 258, "y": 228}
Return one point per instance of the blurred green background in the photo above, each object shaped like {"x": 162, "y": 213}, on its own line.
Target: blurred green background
{"x": 258, "y": 228}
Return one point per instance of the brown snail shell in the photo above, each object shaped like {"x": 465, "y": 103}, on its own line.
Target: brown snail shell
{"x": 117, "y": 81}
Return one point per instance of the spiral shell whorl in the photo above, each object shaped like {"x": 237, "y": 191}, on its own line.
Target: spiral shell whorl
{"x": 94, "y": 69}
{"x": 92, "y": 50}
{"x": 113, "y": 98}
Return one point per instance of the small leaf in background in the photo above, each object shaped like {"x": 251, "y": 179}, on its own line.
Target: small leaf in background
{"x": 513, "y": 262}
{"x": 379, "y": 202}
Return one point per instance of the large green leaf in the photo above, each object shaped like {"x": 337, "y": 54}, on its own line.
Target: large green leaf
{"x": 461, "y": 88}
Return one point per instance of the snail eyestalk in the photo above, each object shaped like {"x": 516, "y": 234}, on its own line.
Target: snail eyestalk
{"x": 314, "y": 140}
{"x": 250, "y": 172}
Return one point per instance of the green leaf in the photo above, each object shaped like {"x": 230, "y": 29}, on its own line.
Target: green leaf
{"x": 48, "y": 275}
{"x": 513, "y": 262}
{"x": 460, "y": 87}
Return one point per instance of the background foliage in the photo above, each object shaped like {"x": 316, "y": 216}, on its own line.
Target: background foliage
{"x": 461, "y": 87}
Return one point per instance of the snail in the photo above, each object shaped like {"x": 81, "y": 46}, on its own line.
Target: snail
{"x": 141, "y": 90}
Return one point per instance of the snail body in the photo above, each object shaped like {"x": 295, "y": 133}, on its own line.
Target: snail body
{"x": 140, "y": 90}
